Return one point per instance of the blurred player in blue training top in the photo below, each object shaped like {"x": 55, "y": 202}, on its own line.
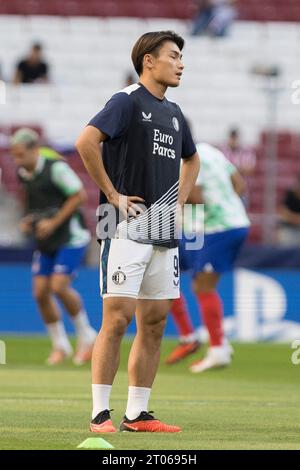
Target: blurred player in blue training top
{"x": 144, "y": 137}
{"x": 219, "y": 187}
{"x": 53, "y": 195}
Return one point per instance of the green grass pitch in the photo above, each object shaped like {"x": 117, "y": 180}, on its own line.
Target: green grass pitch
{"x": 255, "y": 404}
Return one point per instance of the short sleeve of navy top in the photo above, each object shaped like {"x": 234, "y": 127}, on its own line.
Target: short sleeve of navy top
{"x": 114, "y": 119}
{"x": 146, "y": 138}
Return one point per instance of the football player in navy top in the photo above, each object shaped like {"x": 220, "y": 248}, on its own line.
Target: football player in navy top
{"x": 144, "y": 137}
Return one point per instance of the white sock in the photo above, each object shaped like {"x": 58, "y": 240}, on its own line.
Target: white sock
{"x": 59, "y": 337}
{"x": 138, "y": 398}
{"x": 101, "y": 394}
{"x": 86, "y": 334}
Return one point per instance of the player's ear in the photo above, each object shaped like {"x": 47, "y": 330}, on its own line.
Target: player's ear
{"x": 148, "y": 61}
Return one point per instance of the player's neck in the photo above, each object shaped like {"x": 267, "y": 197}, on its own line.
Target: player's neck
{"x": 156, "y": 89}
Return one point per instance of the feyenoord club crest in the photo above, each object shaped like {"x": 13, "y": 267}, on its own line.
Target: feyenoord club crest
{"x": 175, "y": 123}
{"x": 119, "y": 277}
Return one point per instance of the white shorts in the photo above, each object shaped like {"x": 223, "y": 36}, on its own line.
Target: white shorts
{"x": 131, "y": 269}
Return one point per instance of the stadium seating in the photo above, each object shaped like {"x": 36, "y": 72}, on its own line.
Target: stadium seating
{"x": 257, "y": 10}
{"x": 90, "y": 57}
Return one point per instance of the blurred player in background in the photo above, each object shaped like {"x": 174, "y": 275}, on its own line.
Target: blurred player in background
{"x": 145, "y": 137}
{"x": 219, "y": 187}
{"x": 53, "y": 194}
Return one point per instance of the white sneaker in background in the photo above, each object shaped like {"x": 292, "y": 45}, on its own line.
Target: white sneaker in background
{"x": 58, "y": 356}
{"x": 217, "y": 356}
{"x": 228, "y": 346}
{"x": 85, "y": 347}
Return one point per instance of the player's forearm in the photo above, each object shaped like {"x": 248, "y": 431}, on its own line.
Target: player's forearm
{"x": 188, "y": 175}
{"x": 238, "y": 183}
{"x": 69, "y": 207}
{"x": 91, "y": 156}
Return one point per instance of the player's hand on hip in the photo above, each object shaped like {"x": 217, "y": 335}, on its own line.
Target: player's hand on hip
{"x": 45, "y": 228}
{"x": 127, "y": 205}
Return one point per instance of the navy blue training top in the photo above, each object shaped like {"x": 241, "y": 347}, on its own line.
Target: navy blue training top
{"x": 146, "y": 138}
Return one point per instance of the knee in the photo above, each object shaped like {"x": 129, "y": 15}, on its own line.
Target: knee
{"x": 57, "y": 288}
{"x": 201, "y": 289}
{"x": 41, "y": 295}
{"x": 154, "y": 330}
{"x": 117, "y": 326}
{"x": 201, "y": 286}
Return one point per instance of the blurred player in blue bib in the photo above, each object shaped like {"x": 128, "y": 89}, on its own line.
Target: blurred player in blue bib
{"x": 53, "y": 195}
